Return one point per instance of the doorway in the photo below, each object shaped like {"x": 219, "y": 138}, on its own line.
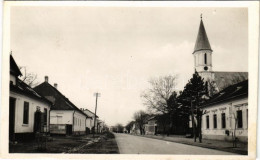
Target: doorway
{"x": 11, "y": 118}
{"x": 69, "y": 129}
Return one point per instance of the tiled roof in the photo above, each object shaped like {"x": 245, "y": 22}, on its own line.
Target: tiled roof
{"x": 60, "y": 101}
{"x": 85, "y": 109}
{"x": 24, "y": 89}
{"x": 202, "y": 42}
{"x": 239, "y": 90}
{"x": 225, "y": 79}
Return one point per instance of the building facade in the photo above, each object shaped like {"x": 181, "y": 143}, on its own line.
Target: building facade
{"x": 226, "y": 114}
{"x": 226, "y": 111}
{"x": 151, "y": 126}
{"x": 29, "y": 112}
{"x": 90, "y": 120}
{"x": 65, "y": 117}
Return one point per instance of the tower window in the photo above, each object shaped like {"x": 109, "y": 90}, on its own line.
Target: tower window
{"x": 205, "y": 58}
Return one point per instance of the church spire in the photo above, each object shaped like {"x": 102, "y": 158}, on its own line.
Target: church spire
{"x": 202, "y": 42}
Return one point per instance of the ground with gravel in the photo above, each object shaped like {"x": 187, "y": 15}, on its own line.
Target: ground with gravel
{"x": 102, "y": 143}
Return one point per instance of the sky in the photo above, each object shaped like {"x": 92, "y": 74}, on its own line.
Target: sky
{"x": 116, "y": 50}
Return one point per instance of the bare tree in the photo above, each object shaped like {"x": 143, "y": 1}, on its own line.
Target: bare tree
{"x": 140, "y": 118}
{"x": 156, "y": 97}
{"x": 28, "y": 77}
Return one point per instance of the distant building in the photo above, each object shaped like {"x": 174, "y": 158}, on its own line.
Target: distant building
{"x": 151, "y": 126}
{"x": 100, "y": 126}
{"x": 29, "y": 112}
{"x": 90, "y": 120}
{"x": 202, "y": 53}
{"x": 135, "y": 129}
{"x": 65, "y": 117}
{"x": 227, "y": 114}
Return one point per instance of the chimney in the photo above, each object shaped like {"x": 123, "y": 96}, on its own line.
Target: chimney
{"x": 46, "y": 78}
{"x": 56, "y": 85}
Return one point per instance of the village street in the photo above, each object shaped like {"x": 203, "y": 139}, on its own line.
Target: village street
{"x": 130, "y": 144}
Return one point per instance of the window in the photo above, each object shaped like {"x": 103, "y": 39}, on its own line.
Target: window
{"x": 207, "y": 121}
{"x": 26, "y": 113}
{"x": 205, "y": 58}
{"x": 223, "y": 120}
{"x": 239, "y": 119}
{"x": 45, "y": 116}
{"x": 215, "y": 120}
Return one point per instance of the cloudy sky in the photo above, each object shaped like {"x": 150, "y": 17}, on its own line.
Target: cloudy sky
{"x": 116, "y": 50}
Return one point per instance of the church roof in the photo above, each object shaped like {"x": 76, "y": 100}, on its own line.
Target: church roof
{"x": 225, "y": 79}
{"x": 235, "y": 91}
{"x": 202, "y": 42}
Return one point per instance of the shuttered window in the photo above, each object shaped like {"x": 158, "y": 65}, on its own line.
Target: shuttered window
{"x": 207, "y": 121}
{"x": 215, "y": 120}
{"x": 239, "y": 119}
{"x": 26, "y": 113}
{"x": 223, "y": 120}
{"x": 45, "y": 116}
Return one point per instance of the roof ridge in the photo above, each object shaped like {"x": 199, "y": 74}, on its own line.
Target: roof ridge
{"x": 90, "y": 111}
{"x": 63, "y": 96}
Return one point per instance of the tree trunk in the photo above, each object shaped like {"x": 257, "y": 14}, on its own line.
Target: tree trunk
{"x": 199, "y": 128}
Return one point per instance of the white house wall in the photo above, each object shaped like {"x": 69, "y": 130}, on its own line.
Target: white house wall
{"x": 33, "y": 104}
{"x": 79, "y": 122}
{"x": 89, "y": 123}
{"x": 61, "y": 117}
{"x": 228, "y": 109}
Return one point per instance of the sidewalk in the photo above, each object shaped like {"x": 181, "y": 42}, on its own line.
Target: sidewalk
{"x": 242, "y": 148}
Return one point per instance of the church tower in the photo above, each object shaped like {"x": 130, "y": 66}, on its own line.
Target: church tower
{"x": 203, "y": 54}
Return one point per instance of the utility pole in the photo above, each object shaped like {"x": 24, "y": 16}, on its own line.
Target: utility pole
{"x": 97, "y": 95}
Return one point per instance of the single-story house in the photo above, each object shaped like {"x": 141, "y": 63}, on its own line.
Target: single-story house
{"x": 29, "y": 112}
{"x": 90, "y": 120}
{"x": 226, "y": 114}
{"x": 65, "y": 117}
{"x": 151, "y": 126}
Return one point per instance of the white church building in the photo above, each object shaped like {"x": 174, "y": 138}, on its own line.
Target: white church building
{"x": 217, "y": 80}
{"x": 227, "y": 110}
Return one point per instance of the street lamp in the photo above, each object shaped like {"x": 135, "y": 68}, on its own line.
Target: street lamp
{"x": 97, "y": 95}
